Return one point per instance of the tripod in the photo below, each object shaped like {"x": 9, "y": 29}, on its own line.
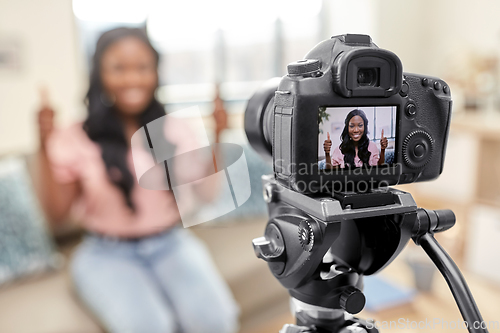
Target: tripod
{"x": 320, "y": 247}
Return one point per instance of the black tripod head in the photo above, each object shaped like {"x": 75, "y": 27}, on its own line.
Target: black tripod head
{"x": 320, "y": 247}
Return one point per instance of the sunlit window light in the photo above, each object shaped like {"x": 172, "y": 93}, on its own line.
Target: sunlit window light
{"x": 192, "y": 23}
{"x": 126, "y": 11}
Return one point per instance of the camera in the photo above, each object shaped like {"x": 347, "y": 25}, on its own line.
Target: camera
{"x": 343, "y": 124}
{"x": 347, "y": 117}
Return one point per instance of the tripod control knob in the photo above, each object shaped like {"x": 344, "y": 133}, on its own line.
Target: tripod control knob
{"x": 271, "y": 248}
{"x": 352, "y": 300}
{"x": 306, "y": 235}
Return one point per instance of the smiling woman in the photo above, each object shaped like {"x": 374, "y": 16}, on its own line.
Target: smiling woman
{"x": 121, "y": 99}
{"x": 355, "y": 149}
{"x": 129, "y": 75}
{"x": 137, "y": 270}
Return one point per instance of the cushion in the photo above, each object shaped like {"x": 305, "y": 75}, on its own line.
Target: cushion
{"x": 25, "y": 246}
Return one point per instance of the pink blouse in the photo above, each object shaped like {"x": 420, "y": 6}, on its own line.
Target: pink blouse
{"x": 338, "y": 157}
{"x": 101, "y": 206}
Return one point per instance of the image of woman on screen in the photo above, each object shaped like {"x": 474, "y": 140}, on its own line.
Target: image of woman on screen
{"x": 355, "y": 149}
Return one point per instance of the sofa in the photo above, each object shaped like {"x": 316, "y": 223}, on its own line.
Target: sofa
{"x": 45, "y": 302}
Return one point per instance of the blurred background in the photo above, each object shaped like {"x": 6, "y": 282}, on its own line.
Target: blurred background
{"x": 238, "y": 45}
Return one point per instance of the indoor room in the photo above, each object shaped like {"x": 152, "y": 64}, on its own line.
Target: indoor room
{"x": 96, "y": 237}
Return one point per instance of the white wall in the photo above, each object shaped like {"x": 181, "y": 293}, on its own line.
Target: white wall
{"x": 46, "y": 33}
{"x": 429, "y": 35}
{"x": 354, "y": 17}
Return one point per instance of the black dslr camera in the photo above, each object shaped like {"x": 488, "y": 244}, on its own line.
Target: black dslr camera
{"x": 292, "y": 117}
{"x": 347, "y": 120}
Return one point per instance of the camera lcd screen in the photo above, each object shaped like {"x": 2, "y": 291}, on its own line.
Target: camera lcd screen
{"x": 356, "y": 136}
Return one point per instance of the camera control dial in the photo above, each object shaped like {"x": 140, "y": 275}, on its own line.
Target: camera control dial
{"x": 304, "y": 67}
{"x": 417, "y": 149}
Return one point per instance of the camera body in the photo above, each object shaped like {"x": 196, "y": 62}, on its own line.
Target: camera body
{"x": 284, "y": 118}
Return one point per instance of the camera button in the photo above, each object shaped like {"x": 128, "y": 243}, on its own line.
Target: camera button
{"x": 437, "y": 85}
{"x": 404, "y": 89}
{"x": 446, "y": 89}
{"x": 411, "y": 109}
{"x": 419, "y": 150}
{"x": 425, "y": 82}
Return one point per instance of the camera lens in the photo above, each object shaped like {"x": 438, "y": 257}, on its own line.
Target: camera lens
{"x": 367, "y": 77}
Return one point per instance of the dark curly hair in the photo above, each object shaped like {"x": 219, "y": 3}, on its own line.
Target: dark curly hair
{"x": 103, "y": 125}
{"x": 347, "y": 145}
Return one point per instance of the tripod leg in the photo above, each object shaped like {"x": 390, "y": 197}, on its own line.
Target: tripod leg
{"x": 456, "y": 282}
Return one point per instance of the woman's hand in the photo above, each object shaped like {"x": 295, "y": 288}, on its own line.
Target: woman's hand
{"x": 45, "y": 119}
{"x": 383, "y": 145}
{"x": 383, "y": 142}
{"x": 56, "y": 198}
{"x": 327, "y": 146}
{"x": 219, "y": 115}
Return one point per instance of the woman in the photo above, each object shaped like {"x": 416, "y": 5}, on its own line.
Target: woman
{"x": 356, "y": 149}
{"x": 136, "y": 270}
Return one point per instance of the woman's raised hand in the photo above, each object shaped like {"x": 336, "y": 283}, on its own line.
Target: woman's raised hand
{"x": 327, "y": 145}
{"x": 45, "y": 118}
{"x": 383, "y": 141}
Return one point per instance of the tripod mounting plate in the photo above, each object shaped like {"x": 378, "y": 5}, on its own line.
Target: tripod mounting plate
{"x": 329, "y": 209}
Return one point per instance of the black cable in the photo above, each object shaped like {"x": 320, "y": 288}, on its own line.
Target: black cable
{"x": 456, "y": 282}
